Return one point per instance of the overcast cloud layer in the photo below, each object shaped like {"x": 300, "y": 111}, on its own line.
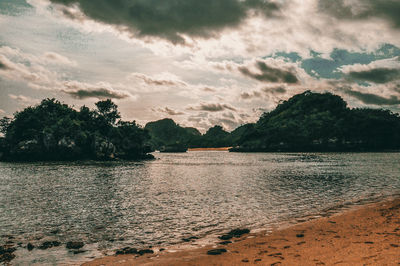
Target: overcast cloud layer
{"x": 199, "y": 62}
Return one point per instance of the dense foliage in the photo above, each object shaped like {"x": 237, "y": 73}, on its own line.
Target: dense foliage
{"x": 321, "y": 122}
{"x": 55, "y": 131}
{"x": 166, "y": 132}
{"x": 306, "y": 122}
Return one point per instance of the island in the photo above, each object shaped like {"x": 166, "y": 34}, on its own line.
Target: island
{"x": 53, "y": 131}
{"x": 307, "y": 122}
{"x": 319, "y": 122}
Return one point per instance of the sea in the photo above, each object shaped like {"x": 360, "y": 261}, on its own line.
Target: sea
{"x": 162, "y": 202}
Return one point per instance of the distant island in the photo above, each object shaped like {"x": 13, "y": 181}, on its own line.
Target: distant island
{"x": 307, "y": 122}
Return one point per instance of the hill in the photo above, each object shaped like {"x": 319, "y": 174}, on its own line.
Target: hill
{"x": 166, "y": 132}
{"x": 321, "y": 122}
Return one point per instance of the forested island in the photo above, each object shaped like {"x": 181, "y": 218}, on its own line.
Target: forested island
{"x": 306, "y": 122}
{"x": 55, "y": 131}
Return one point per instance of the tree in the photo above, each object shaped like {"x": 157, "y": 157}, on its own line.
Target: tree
{"x": 4, "y": 124}
{"x": 55, "y": 131}
{"x": 108, "y": 110}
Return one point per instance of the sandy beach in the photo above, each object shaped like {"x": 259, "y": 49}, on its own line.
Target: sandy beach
{"x": 364, "y": 235}
{"x": 210, "y": 149}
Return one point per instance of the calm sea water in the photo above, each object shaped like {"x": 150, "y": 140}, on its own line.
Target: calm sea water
{"x": 157, "y": 203}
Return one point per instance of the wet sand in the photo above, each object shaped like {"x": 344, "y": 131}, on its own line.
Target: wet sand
{"x": 366, "y": 235}
{"x": 210, "y": 149}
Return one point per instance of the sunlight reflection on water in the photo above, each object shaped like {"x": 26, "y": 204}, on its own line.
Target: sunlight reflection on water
{"x": 114, "y": 204}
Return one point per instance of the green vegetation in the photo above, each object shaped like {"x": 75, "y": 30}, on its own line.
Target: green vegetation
{"x": 55, "y": 131}
{"x": 166, "y": 134}
{"x": 306, "y": 122}
{"x": 321, "y": 122}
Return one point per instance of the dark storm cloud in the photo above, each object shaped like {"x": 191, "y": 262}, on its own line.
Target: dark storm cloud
{"x": 264, "y": 92}
{"x": 275, "y": 90}
{"x": 100, "y": 93}
{"x": 376, "y": 75}
{"x": 169, "y": 19}
{"x": 363, "y": 9}
{"x": 369, "y": 98}
{"x": 269, "y": 74}
{"x": 212, "y": 107}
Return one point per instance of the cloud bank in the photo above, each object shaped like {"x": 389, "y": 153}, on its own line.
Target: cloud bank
{"x": 169, "y": 19}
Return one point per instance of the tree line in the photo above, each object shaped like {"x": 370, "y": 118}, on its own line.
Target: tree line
{"x": 306, "y": 122}
{"x": 55, "y": 131}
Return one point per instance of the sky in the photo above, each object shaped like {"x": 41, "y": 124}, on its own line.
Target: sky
{"x": 201, "y": 63}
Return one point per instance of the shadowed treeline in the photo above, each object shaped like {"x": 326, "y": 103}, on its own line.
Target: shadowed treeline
{"x": 306, "y": 122}
{"x": 55, "y": 131}
{"x": 321, "y": 122}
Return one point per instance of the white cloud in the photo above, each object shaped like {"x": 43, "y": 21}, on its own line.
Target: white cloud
{"x": 30, "y": 69}
{"x": 23, "y": 100}
{"x": 392, "y": 63}
{"x": 55, "y": 58}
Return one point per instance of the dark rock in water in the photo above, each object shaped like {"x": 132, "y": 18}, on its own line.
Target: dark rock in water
{"x": 54, "y": 232}
{"x": 162, "y": 249}
{"x": 245, "y": 260}
{"x": 49, "y": 244}
{"x": 127, "y": 250}
{"x": 79, "y": 251}
{"x": 6, "y": 257}
{"x": 218, "y": 251}
{"x": 225, "y": 237}
{"x": 6, "y": 253}
{"x": 225, "y": 242}
{"x": 131, "y": 251}
{"x": 6, "y": 249}
{"x": 145, "y": 251}
{"x": 189, "y": 238}
{"x": 300, "y": 235}
{"x": 74, "y": 245}
{"x": 119, "y": 252}
{"x": 30, "y": 246}
{"x": 234, "y": 233}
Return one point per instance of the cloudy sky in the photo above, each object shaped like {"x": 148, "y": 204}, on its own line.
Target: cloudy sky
{"x": 199, "y": 62}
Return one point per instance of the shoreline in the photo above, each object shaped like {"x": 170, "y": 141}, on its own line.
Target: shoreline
{"x": 367, "y": 233}
{"x": 210, "y": 149}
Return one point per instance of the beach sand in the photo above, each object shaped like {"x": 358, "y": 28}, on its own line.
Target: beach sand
{"x": 210, "y": 149}
{"x": 364, "y": 235}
